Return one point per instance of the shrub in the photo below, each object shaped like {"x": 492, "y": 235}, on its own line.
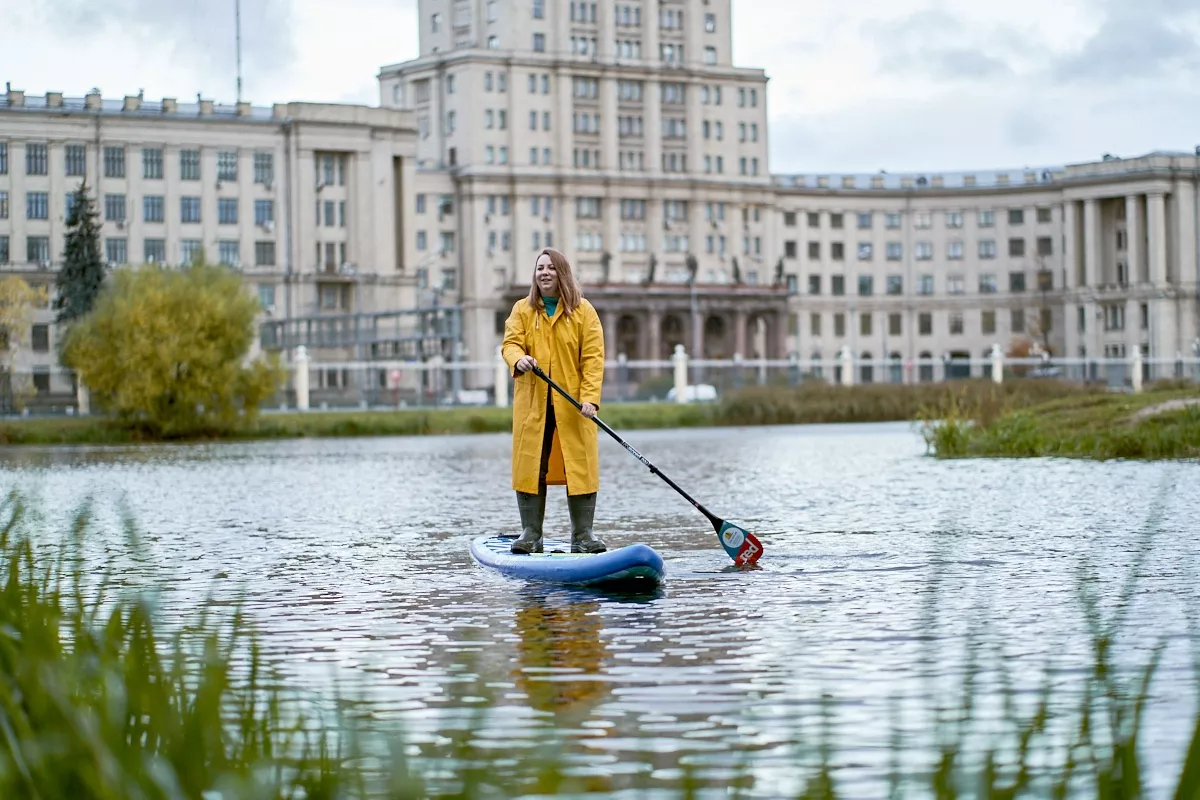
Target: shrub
{"x": 165, "y": 351}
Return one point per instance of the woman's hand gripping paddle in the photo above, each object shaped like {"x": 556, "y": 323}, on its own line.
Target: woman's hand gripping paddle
{"x": 741, "y": 545}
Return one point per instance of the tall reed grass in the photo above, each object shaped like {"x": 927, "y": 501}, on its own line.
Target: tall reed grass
{"x": 99, "y": 700}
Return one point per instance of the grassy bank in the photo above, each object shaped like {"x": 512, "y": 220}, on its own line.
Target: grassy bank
{"x": 1158, "y": 424}
{"x": 99, "y": 700}
{"x": 809, "y": 403}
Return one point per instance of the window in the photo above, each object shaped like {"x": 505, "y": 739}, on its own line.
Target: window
{"x": 837, "y": 251}
{"x": 987, "y": 218}
{"x": 1045, "y": 246}
{"x": 1016, "y": 281}
{"x": 955, "y": 284}
{"x": 40, "y": 338}
{"x": 789, "y": 249}
{"x": 37, "y": 249}
{"x": 987, "y": 248}
{"x": 189, "y": 250}
{"x": 227, "y": 211}
{"x": 987, "y": 283}
{"x": 710, "y": 23}
{"x": 925, "y": 284}
{"x": 75, "y": 156}
{"x": 837, "y": 221}
{"x": 264, "y": 211}
{"x": 866, "y": 285}
{"x": 3, "y": 158}
{"x": 435, "y": 23}
{"x": 4, "y": 250}
{"x": 114, "y": 162}
{"x": 864, "y": 251}
{"x": 987, "y": 322}
{"x": 956, "y": 323}
{"x": 814, "y": 251}
{"x": 864, "y": 324}
{"x": 227, "y": 252}
{"x": 264, "y": 168}
{"x": 924, "y": 251}
{"x": 152, "y": 163}
{"x": 894, "y": 251}
{"x": 925, "y": 324}
{"x": 493, "y": 43}
{"x": 1016, "y": 248}
{"x": 892, "y": 220}
{"x": 539, "y": 9}
{"x": 814, "y": 324}
{"x": 865, "y": 221}
{"x": 710, "y": 55}
{"x": 116, "y": 251}
{"x": 1018, "y": 320}
{"x": 837, "y": 285}
{"x": 839, "y": 325}
{"x": 954, "y": 219}
{"x": 264, "y": 254}
{"x": 154, "y": 251}
{"x": 189, "y": 210}
{"x": 152, "y": 208}
{"x": 189, "y": 165}
{"x": 895, "y": 284}
{"x": 1044, "y": 215}
{"x": 922, "y": 220}
{"x": 35, "y": 159}
{"x": 895, "y": 325}
{"x": 539, "y": 43}
{"x": 1016, "y": 216}
{"x": 954, "y": 250}
{"x": 814, "y": 284}
{"x": 114, "y": 207}
{"x": 37, "y": 205}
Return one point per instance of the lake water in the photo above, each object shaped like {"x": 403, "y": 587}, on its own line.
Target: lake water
{"x": 880, "y": 564}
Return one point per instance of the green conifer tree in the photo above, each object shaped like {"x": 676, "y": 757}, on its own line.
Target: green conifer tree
{"x": 83, "y": 270}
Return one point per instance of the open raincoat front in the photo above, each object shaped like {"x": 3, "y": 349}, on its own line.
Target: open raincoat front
{"x": 569, "y": 348}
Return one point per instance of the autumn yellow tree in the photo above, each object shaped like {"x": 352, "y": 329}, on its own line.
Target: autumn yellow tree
{"x": 17, "y": 301}
{"x": 165, "y": 350}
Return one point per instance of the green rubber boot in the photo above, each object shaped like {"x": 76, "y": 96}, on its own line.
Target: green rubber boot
{"x": 583, "y": 509}
{"x": 533, "y": 511}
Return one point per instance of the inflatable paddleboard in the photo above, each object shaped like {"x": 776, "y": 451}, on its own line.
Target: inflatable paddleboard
{"x": 557, "y": 564}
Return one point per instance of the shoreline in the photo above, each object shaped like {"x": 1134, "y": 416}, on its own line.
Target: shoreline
{"x": 961, "y": 419}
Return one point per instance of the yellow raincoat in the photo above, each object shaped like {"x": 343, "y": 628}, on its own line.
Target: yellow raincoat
{"x": 570, "y": 350}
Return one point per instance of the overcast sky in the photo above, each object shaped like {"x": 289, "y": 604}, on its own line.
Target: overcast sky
{"x": 856, "y": 85}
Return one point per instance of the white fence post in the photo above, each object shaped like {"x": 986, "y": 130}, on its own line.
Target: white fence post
{"x": 680, "y": 358}
{"x": 847, "y": 360}
{"x": 997, "y": 364}
{"x": 1135, "y": 370}
{"x": 301, "y": 378}
{"x": 501, "y": 378}
{"x": 84, "y": 399}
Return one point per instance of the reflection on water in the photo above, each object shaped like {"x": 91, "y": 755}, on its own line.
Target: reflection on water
{"x": 352, "y": 556}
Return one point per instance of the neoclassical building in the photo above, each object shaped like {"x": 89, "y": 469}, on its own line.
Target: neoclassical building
{"x": 621, "y": 132}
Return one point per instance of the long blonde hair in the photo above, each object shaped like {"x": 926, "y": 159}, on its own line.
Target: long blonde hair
{"x": 569, "y": 293}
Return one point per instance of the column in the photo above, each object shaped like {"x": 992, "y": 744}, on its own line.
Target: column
{"x": 779, "y": 333}
{"x": 695, "y": 346}
{"x": 1134, "y": 238}
{"x": 564, "y": 106}
{"x": 608, "y": 320}
{"x": 653, "y": 336}
{"x": 609, "y": 141}
{"x": 739, "y": 332}
{"x": 1071, "y": 246}
{"x": 520, "y": 258}
{"x": 1091, "y": 241}
{"x": 653, "y": 127}
{"x": 1189, "y": 269}
{"x": 612, "y": 238}
{"x": 1156, "y": 238}
{"x": 694, "y": 114}
{"x": 654, "y": 227}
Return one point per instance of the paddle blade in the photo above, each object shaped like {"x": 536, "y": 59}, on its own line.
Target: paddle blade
{"x": 740, "y": 544}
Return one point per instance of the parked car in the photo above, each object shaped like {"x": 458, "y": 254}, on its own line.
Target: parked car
{"x": 695, "y": 393}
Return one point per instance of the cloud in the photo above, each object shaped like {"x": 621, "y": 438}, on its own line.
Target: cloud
{"x": 201, "y": 33}
{"x": 935, "y": 44}
{"x": 1149, "y": 39}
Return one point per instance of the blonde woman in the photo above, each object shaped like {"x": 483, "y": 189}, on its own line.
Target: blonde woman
{"x": 557, "y": 329}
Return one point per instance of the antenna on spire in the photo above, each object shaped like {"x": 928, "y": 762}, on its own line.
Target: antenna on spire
{"x": 237, "y": 19}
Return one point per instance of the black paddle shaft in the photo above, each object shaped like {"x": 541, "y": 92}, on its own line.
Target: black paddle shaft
{"x": 714, "y": 519}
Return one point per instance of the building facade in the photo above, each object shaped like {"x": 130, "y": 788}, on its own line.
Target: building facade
{"x": 620, "y": 132}
{"x": 307, "y": 200}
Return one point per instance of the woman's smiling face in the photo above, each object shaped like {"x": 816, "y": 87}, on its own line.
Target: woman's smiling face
{"x": 547, "y": 276}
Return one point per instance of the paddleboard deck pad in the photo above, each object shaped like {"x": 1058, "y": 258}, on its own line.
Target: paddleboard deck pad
{"x": 557, "y": 564}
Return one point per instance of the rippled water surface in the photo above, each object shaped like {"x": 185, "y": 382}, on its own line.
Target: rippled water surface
{"x": 352, "y": 554}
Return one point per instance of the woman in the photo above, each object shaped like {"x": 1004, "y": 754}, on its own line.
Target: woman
{"x": 556, "y": 329}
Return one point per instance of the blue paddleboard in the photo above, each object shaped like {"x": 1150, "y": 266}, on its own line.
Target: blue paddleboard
{"x": 557, "y": 564}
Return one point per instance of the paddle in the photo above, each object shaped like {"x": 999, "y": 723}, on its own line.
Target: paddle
{"x": 741, "y": 545}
